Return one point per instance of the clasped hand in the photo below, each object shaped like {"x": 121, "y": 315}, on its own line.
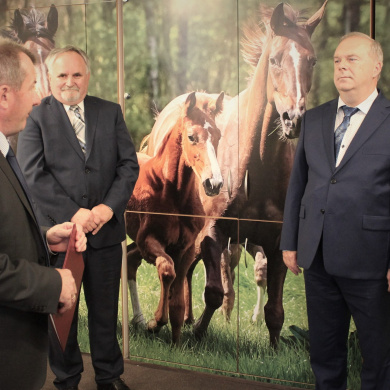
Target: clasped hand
{"x": 93, "y": 220}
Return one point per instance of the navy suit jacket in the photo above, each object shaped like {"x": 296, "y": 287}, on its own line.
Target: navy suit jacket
{"x": 63, "y": 180}
{"x": 348, "y": 206}
{"x": 28, "y": 289}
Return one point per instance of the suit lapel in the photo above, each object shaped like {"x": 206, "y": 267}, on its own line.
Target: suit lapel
{"x": 5, "y": 167}
{"x": 64, "y": 126}
{"x": 328, "y": 123}
{"x": 375, "y": 116}
{"x": 91, "y": 120}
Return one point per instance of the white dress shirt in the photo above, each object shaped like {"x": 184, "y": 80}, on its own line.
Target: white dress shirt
{"x": 4, "y": 145}
{"x": 354, "y": 124}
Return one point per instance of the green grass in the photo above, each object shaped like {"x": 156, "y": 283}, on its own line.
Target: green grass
{"x": 239, "y": 348}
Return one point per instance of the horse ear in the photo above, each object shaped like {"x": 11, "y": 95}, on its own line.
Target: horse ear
{"x": 19, "y": 24}
{"x": 313, "y": 22}
{"x": 52, "y": 20}
{"x": 219, "y": 104}
{"x": 283, "y": 16}
{"x": 190, "y": 102}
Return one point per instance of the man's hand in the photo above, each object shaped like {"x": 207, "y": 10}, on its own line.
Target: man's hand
{"x": 68, "y": 295}
{"x": 85, "y": 218}
{"x": 102, "y": 214}
{"x": 290, "y": 259}
{"x": 388, "y": 280}
{"x": 58, "y": 237}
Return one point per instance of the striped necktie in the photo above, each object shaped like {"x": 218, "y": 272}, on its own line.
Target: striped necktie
{"x": 79, "y": 127}
{"x": 342, "y": 128}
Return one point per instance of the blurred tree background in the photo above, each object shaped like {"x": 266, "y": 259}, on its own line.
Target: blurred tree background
{"x": 176, "y": 46}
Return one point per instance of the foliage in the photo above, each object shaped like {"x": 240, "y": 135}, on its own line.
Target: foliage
{"x": 239, "y": 348}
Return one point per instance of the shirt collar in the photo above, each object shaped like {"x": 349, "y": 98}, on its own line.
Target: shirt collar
{"x": 81, "y": 105}
{"x": 364, "y": 106}
{"x": 4, "y": 145}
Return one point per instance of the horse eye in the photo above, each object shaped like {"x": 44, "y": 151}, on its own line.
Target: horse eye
{"x": 191, "y": 138}
{"x": 313, "y": 61}
{"x": 274, "y": 61}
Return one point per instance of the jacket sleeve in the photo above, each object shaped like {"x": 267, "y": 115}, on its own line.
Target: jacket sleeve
{"x": 43, "y": 184}
{"x": 296, "y": 189}
{"x": 28, "y": 286}
{"x": 127, "y": 169}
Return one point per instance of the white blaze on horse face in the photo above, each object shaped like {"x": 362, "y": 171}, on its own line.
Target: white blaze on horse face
{"x": 43, "y": 88}
{"x": 206, "y": 125}
{"x": 296, "y": 58}
{"x": 216, "y": 178}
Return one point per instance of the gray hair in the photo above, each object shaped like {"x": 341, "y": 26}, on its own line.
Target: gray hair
{"x": 55, "y": 53}
{"x": 376, "y": 48}
{"x": 11, "y": 70}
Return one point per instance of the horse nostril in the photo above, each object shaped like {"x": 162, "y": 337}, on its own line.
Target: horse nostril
{"x": 210, "y": 188}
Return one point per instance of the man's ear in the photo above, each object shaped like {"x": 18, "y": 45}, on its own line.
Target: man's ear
{"x": 5, "y": 91}
{"x": 377, "y": 69}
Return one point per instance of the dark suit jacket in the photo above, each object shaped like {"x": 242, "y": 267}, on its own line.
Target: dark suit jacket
{"x": 62, "y": 179}
{"x": 348, "y": 206}
{"x": 28, "y": 290}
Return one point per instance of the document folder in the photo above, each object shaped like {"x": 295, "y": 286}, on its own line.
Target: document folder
{"x": 74, "y": 262}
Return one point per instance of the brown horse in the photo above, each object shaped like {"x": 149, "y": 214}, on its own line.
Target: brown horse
{"x": 32, "y": 29}
{"x": 168, "y": 183}
{"x": 256, "y": 159}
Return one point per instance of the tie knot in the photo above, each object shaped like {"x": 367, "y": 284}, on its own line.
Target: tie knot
{"x": 76, "y": 108}
{"x": 349, "y": 111}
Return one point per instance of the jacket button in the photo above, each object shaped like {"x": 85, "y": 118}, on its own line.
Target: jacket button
{"x": 84, "y": 196}
{"x": 333, "y": 181}
{"x": 87, "y": 170}
{"x": 322, "y": 211}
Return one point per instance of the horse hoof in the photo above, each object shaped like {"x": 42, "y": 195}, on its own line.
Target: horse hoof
{"x": 139, "y": 323}
{"x": 199, "y": 332}
{"x": 153, "y": 326}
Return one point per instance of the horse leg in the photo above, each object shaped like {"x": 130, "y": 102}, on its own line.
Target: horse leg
{"x": 134, "y": 259}
{"x": 154, "y": 252}
{"x": 189, "y": 314}
{"x": 229, "y": 261}
{"x": 273, "y": 310}
{"x": 177, "y": 302}
{"x": 260, "y": 271}
{"x": 213, "y": 294}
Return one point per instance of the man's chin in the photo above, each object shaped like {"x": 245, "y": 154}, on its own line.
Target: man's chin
{"x": 70, "y": 99}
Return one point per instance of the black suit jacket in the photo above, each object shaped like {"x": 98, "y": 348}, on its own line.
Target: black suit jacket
{"x": 348, "y": 206}
{"x": 63, "y": 180}
{"x": 28, "y": 289}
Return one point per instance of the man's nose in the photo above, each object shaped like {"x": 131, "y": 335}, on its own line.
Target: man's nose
{"x": 69, "y": 81}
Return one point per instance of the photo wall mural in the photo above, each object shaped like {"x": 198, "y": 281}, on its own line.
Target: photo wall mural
{"x": 214, "y": 99}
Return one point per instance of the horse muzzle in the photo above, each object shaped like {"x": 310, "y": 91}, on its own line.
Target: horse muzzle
{"x": 291, "y": 127}
{"x": 212, "y": 187}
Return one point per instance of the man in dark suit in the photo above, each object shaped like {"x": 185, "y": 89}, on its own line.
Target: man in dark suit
{"x": 78, "y": 156}
{"x": 337, "y": 219}
{"x": 29, "y": 289}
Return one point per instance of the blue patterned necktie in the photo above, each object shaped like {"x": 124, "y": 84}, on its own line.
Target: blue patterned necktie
{"x": 342, "y": 128}
{"x": 79, "y": 127}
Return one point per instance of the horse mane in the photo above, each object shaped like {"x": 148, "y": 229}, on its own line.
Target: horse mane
{"x": 255, "y": 34}
{"x": 34, "y": 26}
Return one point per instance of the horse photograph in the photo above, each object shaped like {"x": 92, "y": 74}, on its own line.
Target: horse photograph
{"x": 215, "y": 98}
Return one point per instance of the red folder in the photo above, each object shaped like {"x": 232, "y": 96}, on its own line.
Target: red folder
{"x": 74, "y": 262}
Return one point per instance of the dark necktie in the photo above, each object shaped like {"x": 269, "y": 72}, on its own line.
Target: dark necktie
{"x": 15, "y": 167}
{"x": 79, "y": 127}
{"x": 342, "y": 128}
